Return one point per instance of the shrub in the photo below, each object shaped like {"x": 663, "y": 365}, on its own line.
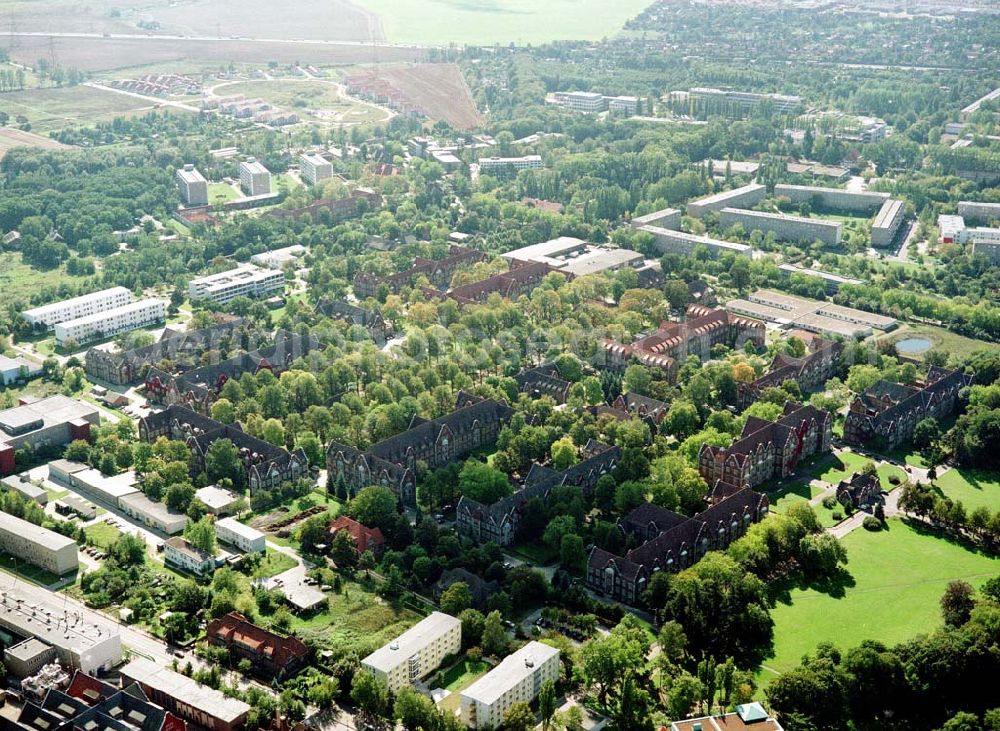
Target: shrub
{"x": 838, "y": 515}
{"x": 830, "y": 502}
{"x": 894, "y": 480}
{"x": 871, "y": 523}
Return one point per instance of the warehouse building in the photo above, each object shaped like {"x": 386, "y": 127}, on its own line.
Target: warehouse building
{"x": 152, "y": 514}
{"x": 669, "y": 218}
{"x": 576, "y": 257}
{"x": 743, "y": 197}
{"x": 192, "y": 186}
{"x": 678, "y": 242}
{"x": 837, "y": 199}
{"x": 245, "y": 280}
{"x": 824, "y": 318}
{"x": 23, "y": 486}
{"x": 93, "y": 483}
{"x": 198, "y": 704}
{"x": 243, "y": 537}
{"x": 80, "y": 643}
{"x": 887, "y": 222}
{"x": 417, "y": 652}
{"x": 255, "y": 179}
{"x": 53, "y": 420}
{"x": 314, "y": 169}
{"x": 515, "y": 680}
{"x": 39, "y": 546}
{"x": 17, "y": 370}
{"x": 278, "y": 258}
{"x": 49, "y": 315}
{"x": 100, "y": 325}
{"x": 217, "y": 500}
{"x": 784, "y": 228}
{"x": 27, "y": 657}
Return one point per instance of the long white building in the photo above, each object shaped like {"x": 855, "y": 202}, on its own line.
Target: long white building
{"x": 669, "y": 218}
{"x": 314, "y": 168}
{"x": 417, "y": 652}
{"x": 837, "y": 198}
{"x": 786, "y": 228}
{"x": 255, "y": 179}
{"x": 515, "y": 680}
{"x": 975, "y": 211}
{"x": 504, "y": 165}
{"x": 243, "y": 281}
{"x": 111, "y": 322}
{"x": 243, "y": 537}
{"x": 887, "y": 222}
{"x": 747, "y": 195}
{"x": 38, "y": 546}
{"x": 48, "y": 316}
{"x": 192, "y": 186}
{"x": 679, "y": 242}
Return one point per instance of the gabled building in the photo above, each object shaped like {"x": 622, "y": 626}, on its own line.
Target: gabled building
{"x": 672, "y": 542}
{"x": 650, "y": 410}
{"x": 365, "y": 538}
{"x": 811, "y": 372}
{"x": 437, "y": 271}
{"x": 884, "y": 416}
{"x": 522, "y": 278}
{"x": 271, "y": 655}
{"x": 371, "y": 320}
{"x": 480, "y": 589}
{"x": 543, "y": 380}
{"x": 266, "y": 465}
{"x": 393, "y": 461}
{"x": 667, "y": 347}
{"x": 862, "y": 491}
{"x": 499, "y": 522}
{"x": 768, "y": 449}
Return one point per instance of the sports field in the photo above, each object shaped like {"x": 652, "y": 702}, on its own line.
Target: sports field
{"x": 440, "y": 22}
{"x": 894, "y": 581}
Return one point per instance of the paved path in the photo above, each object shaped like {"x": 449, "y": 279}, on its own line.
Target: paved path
{"x": 154, "y": 100}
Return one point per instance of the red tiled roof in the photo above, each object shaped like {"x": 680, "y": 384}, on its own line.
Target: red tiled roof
{"x": 235, "y": 628}
{"x": 365, "y": 538}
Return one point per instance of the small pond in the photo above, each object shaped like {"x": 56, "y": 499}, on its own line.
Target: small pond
{"x": 911, "y": 346}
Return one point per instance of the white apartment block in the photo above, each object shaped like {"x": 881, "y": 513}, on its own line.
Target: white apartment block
{"x": 243, "y": 281}
{"x": 48, "y": 316}
{"x": 748, "y": 100}
{"x": 38, "y": 546}
{"x": 785, "y": 228}
{"x": 193, "y": 186}
{"x": 255, "y": 179}
{"x": 669, "y": 241}
{"x": 953, "y": 230}
{"x": 105, "y": 324}
{"x": 984, "y": 212}
{"x": 504, "y": 165}
{"x": 515, "y": 680}
{"x": 587, "y": 102}
{"x": 744, "y": 196}
{"x": 990, "y": 248}
{"x": 887, "y": 222}
{"x": 243, "y": 537}
{"x": 314, "y": 168}
{"x": 837, "y": 198}
{"x": 417, "y": 652}
{"x": 181, "y": 553}
{"x": 669, "y": 218}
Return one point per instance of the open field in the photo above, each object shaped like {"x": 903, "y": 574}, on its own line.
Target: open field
{"x": 273, "y": 563}
{"x": 18, "y": 281}
{"x": 312, "y": 100}
{"x": 102, "y": 534}
{"x": 940, "y": 339}
{"x": 438, "y": 91}
{"x": 501, "y": 21}
{"x": 890, "y": 592}
{"x": 48, "y": 110}
{"x": 221, "y": 193}
{"x": 974, "y": 488}
{"x": 10, "y": 138}
{"x": 95, "y": 53}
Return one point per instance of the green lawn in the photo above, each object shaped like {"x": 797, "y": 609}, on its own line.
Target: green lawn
{"x": 791, "y": 494}
{"x": 26, "y": 571}
{"x": 940, "y": 339}
{"x": 973, "y": 487}
{"x": 885, "y": 471}
{"x": 274, "y": 563}
{"x": 844, "y": 465}
{"x": 895, "y": 579}
{"x": 221, "y": 193}
{"x": 102, "y": 535}
{"x": 462, "y": 674}
{"x": 18, "y": 281}
{"x": 501, "y": 21}
{"x": 73, "y": 106}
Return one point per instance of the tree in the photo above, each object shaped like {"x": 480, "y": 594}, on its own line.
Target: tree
{"x": 369, "y": 693}
{"x": 495, "y": 638}
{"x": 77, "y": 451}
{"x": 820, "y": 555}
{"x": 632, "y": 710}
{"x": 222, "y": 461}
{"x": 202, "y": 534}
{"x": 957, "y": 603}
{"x": 473, "y": 624}
{"x": 926, "y": 432}
{"x": 519, "y": 718}
{"x": 343, "y": 550}
{"x": 546, "y": 703}
{"x": 415, "y": 710}
{"x": 224, "y": 411}
{"x": 637, "y": 378}
{"x": 179, "y": 496}
{"x": 564, "y": 454}
{"x": 606, "y": 660}
{"x": 483, "y": 483}
{"x": 685, "y": 691}
{"x": 558, "y": 527}
{"x": 456, "y": 598}
{"x": 571, "y": 552}
{"x": 374, "y": 506}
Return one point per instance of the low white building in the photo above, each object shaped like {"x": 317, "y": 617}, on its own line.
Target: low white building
{"x": 38, "y": 546}
{"x": 152, "y": 514}
{"x": 243, "y": 537}
{"x": 515, "y": 680}
{"x": 48, "y": 316}
{"x": 417, "y": 652}
{"x": 278, "y": 258}
{"x": 952, "y": 229}
{"x": 509, "y": 165}
{"x": 132, "y": 316}
{"x": 17, "y": 370}
{"x": 246, "y": 280}
{"x": 182, "y": 554}
{"x": 217, "y": 500}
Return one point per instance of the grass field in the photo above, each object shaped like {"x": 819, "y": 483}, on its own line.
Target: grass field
{"x": 102, "y": 534}
{"x": 11, "y": 138}
{"x": 48, "y": 110}
{"x": 885, "y": 471}
{"x": 463, "y": 673}
{"x": 791, "y": 494}
{"x": 891, "y": 591}
{"x": 845, "y": 464}
{"x": 501, "y": 21}
{"x": 941, "y": 339}
{"x": 274, "y": 563}
{"x": 221, "y": 193}
{"x": 18, "y": 281}
{"x": 973, "y": 487}
{"x": 312, "y": 100}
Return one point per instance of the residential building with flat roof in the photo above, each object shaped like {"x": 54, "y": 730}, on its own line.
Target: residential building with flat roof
{"x": 245, "y": 280}
{"x": 243, "y": 537}
{"x": 152, "y": 514}
{"x": 417, "y": 652}
{"x": 974, "y": 106}
{"x": 517, "y": 679}
{"x": 747, "y": 195}
{"x": 981, "y": 212}
{"x": 587, "y": 102}
{"x": 728, "y": 100}
{"x": 132, "y": 316}
{"x": 508, "y": 165}
{"x": 833, "y": 281}
{"x": 192, "y": 186}
{"x": 27, "y": 657}
{"x": 887, "y": 222}
{"x": 255, "y": 179}
{"x": 39, "y": 546}
{"x": 835, "y": 198}
{"x": 678, "y": 242}
{"x": 54, "y": 420}
{"x": 787, "y": 228}
{"x": 184, "y": 697}
{"x": 278, "y": 258}
{"x": 80, "y": 642}
{"x": 669, "y": 218}
{"x": 952, "y": 229}
{"x": 47, "y": 316}
{"x": 314, "y": 168}
{"x": 986, "y": 242}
